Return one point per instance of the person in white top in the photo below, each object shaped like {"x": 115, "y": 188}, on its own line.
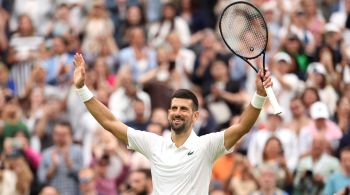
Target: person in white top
{"x": 182, "y": 162}
{"x": 274, "y": 127}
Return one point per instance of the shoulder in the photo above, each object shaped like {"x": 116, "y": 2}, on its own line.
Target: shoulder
{"x": 132, "y": 132}
{"x": 179, "y": 20}
{"x": 336, "y": 176}
{"x": 287, "y": 132}
{"x": 76, "y": 148}
{"x": 211, "y": 135}
{"x": 47, "y": 152}
{"x": 125, "y": 51}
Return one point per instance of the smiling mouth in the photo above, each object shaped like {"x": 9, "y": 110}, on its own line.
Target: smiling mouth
{"x": 177, "y": 120}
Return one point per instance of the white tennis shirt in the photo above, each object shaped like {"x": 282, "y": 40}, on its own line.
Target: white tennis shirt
{"x": 179, "y": 171}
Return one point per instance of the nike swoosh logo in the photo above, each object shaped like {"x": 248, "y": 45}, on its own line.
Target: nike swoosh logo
{"x": 190, "y": 153}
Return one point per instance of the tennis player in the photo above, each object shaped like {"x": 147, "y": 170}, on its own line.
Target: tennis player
{"x": 182, "y": 162}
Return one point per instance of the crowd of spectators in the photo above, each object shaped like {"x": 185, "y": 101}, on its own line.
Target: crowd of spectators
{"x": 138, "y": 52}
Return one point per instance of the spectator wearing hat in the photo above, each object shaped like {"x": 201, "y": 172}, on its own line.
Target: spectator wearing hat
{"x": 317, "y": 77}
{"x": 295, "y": 48}
{"x": 321, "y": 124}
{"x": 286, "y": 84}
{"x": 332, "y": 41}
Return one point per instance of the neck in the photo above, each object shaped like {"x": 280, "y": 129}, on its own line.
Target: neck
{"x": 298, "y": 117}
{"x": 315, "y": 157}
{"x": 139, "y": 119}
{"x": 137, "y": 46}
{"x": 267, "y": 191}
{"x": 180, "y": 139}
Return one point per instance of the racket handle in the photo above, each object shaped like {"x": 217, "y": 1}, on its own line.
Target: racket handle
{"x": 273, "y": 100}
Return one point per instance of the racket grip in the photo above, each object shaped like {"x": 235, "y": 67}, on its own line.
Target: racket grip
{"x": 273, "y": 100}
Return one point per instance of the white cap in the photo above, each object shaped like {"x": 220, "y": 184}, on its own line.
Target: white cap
{"x": 317, "y": 68}
{"x": 319, "y": 110}
{"x": 283, "y": 56}
{"x": 331, "y": 27}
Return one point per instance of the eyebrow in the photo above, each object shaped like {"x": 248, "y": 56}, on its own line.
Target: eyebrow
{"x": 181, "y": 107}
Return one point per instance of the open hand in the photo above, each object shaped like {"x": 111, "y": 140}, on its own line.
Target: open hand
{"x": 79, "y": 71}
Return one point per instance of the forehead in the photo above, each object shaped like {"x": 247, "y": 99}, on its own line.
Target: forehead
{"x": 181, "y": 102}
{"x": 59, "y": 129}
{"x": 137, "y": 176}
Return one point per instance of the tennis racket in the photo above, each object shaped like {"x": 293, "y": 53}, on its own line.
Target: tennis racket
{"x": 244, "y": 31}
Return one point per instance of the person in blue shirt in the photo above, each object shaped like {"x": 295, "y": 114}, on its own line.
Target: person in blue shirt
{"x": 339, "y": 182}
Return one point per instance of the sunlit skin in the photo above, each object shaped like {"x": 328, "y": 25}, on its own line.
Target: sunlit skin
{"x": 181, "y": 115}
{"x": 138, "y": 182}
{"x": 318, "y": 146}
{"x": 273, "y": 149}
{"x": 297, "y": 108}
{"x": 267, "y": 180}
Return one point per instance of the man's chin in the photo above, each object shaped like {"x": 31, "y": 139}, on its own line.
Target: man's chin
{"x": 178, "y": 128}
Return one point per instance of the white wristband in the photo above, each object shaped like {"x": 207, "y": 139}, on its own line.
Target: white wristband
{"x": 258, "y": 101}
{"x": 84, "y": 93}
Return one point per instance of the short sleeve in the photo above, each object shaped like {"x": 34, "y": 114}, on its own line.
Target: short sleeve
{"x": 215, "y": 145}
{"x": 141, "y": 141}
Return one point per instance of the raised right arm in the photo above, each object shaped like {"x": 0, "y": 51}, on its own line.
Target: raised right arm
{"x": 99, "y": 111}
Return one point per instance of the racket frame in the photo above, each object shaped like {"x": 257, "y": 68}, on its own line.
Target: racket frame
{"x": 273, "y": 100}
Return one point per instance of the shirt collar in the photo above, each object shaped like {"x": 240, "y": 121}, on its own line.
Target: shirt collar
{"x": 189, "y": 143}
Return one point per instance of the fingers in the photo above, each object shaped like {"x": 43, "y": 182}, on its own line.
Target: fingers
{"x": 78, "y": 60}
{"x": 266, "y": 78}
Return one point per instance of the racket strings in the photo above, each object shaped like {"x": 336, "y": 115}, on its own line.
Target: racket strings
{"x": 244, "y": 30}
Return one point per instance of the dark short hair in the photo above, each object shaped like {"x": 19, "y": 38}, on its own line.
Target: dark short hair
{"x": 64, "y": 123}
{"x": 145, "y": 171}
{"x": 186, "y": 94}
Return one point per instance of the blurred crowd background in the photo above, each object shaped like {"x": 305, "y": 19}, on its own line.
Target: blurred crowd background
{"x": 137, "y": 53}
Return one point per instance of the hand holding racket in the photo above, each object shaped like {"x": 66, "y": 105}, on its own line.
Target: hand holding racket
{"x": 244, "y": 31}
